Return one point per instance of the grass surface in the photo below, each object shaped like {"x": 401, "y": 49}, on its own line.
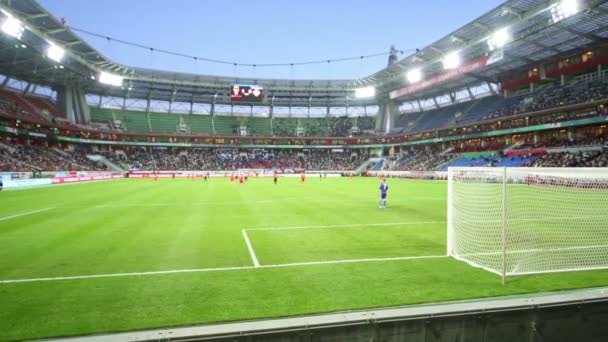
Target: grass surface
{"x": 142, "y": 226}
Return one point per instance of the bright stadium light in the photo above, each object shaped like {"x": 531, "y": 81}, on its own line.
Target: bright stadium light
{"x": 55, "y": 53}
{"x": 499, "y": 39}
{"x": 414, "y": 75}
{"x": 12, "y": 27}
{"x": 365, "y": 92}
{"x": 565, "y": 9}
{"x": 569, "y": 7}
{"x": 111, "y": 79}
{"x": 451, "y": 60}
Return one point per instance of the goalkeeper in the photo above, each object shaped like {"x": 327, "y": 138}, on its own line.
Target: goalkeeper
{"x": 383, "y": 193}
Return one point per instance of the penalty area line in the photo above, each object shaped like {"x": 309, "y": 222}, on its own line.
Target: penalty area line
{"x": 221, "y": 269}
{"x": 23, "y": 214}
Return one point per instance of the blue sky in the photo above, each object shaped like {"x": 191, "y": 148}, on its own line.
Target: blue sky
{"x": 271, "y": 31}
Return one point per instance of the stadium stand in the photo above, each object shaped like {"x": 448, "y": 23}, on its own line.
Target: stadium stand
{"x": 226, "y": 125}
{"x": 235, "y": 159}
{"x": 164, "y": 122}
{"x": 37, "y": 155}
{"x": 259, "y": 126}
{"x": 199, "y": 123}
{"x": 497, "y": 107}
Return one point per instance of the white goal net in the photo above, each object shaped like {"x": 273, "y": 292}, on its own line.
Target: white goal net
{"x": 514, "y": 221}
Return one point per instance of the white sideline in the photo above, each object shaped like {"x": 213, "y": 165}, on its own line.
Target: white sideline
{"x": 219, "y": 269}
{"x": 254, "y": 258}
{"x": 350, "y": 225}
{"x": 23, "y": 214}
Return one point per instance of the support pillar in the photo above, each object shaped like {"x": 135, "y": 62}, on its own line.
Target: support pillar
{"x": 72, "y": 100}
{"x": 387, "y": 116}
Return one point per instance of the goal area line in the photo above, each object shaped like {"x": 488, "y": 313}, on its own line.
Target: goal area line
{"x": 256, "y": 263}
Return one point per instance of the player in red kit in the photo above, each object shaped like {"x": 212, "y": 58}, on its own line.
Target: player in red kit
{"x": 303, "y": 178}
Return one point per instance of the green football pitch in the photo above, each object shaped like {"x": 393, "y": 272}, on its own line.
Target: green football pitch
{"x": 134, "y": 254}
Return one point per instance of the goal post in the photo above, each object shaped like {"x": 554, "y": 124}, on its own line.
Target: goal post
{"x": 516, "y": 221}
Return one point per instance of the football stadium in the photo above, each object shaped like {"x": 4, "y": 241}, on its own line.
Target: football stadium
{"x": 458, "y": 192}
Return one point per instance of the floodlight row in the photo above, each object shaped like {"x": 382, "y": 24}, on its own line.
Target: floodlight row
{"x": 497, "y": 40}
{"x": 13, "y": 27}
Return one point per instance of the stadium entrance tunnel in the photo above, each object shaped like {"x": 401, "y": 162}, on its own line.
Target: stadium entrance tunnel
{"x": 578, "y": 315}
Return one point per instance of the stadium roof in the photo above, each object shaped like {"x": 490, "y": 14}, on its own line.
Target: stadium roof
{"x": 537, "y": 37}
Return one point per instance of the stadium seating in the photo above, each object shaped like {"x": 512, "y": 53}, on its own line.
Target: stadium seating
{"x": 25, "y": 157}
{"x": 514, "y": 161}
{"x": 497, "y": 106}
{"x": 21, "y": 106}
{"x": 366, "y": 123}
{"x": 258, "y": 126}
{"x": 46, "y": 105}
{"x": 226, "y": 125}
{"x": 378, "y": 166}
{"x": 284, "y": 126}
{"x": 234, "y": 159}
{"x": 102, "y": 115}
{"x": 310, "y": 126}
{"x": 340, "y": 126}
{"x": 163, "y": 122}
{"x": 132, "y": 120}
{"x": 200, "y": 124}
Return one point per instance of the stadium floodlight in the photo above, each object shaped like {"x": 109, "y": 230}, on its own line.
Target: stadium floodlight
{"x": 569, "y": 7}
{"x": 12, "y": 27}
{"x": 366, "y": 92}
{"x": 451, "y": 60}
{"x": 110, "y": 79}
{"x": 55, "y": 53}
{"x": 499, "y": 39}
{"x": 414, "y": 75}
{"x": 565, "y": 9}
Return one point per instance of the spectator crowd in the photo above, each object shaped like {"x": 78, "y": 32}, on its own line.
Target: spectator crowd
{"x": 235, "y": 159}
{"x": 26, "y": 157}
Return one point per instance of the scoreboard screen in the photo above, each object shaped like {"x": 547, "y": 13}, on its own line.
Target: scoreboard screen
{"x": 246, "y": 93}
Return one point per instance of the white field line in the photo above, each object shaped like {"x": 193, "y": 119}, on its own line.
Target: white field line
{"x": 219, "y": 269}
{"x": 23, "y": 214}
{"x": 254, "y": 258}
{"x": 536, "y": 250}
{"x": 60, "y": 184}
{"x": 350, "y": 225}
{"x": 538, "y": 219}
{"x": 231, "y": 203}
{"x": 351, "y": 261}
